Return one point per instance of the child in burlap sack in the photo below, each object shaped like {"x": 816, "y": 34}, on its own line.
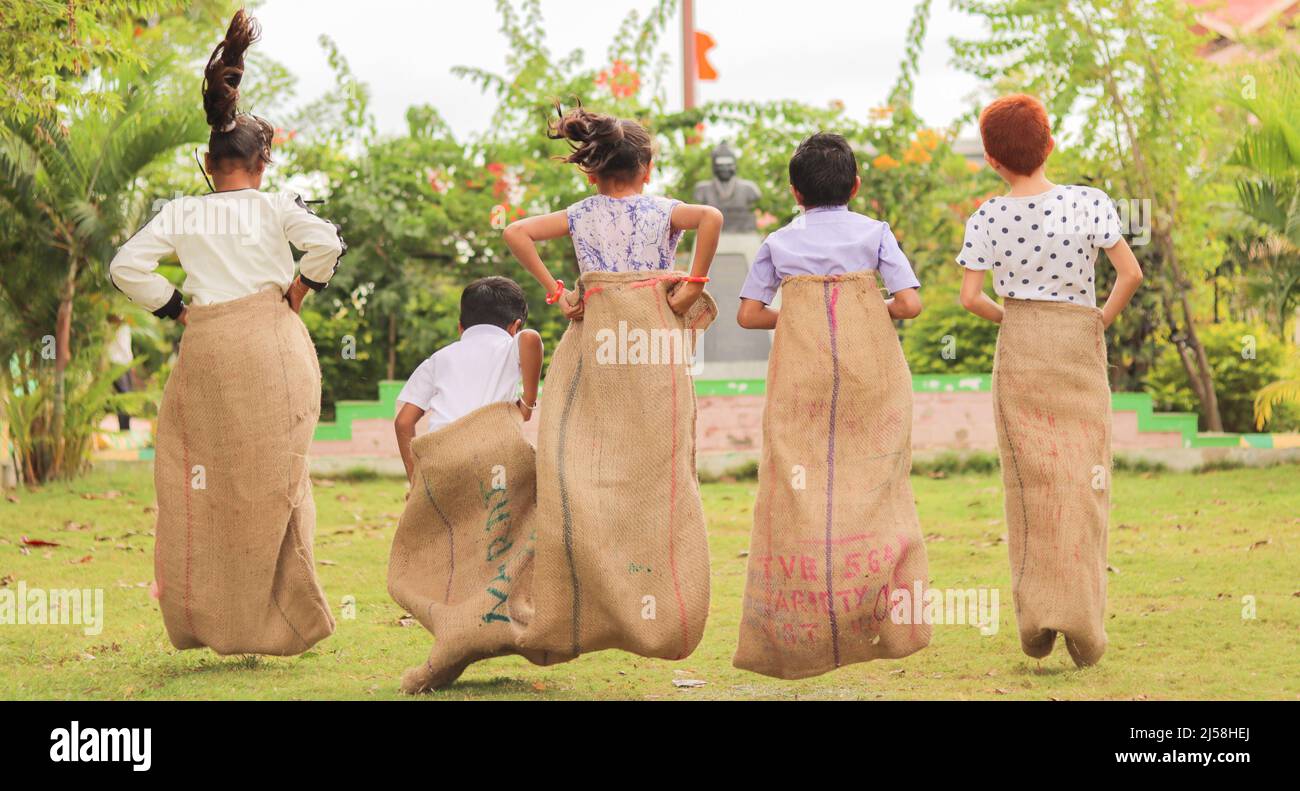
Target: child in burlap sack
{"x": 621, "y": 548}
{"x": 1051, "y": 397}
{"x": 233, "y": 549}
{"x": 836, "y": 544}
{"x": 495, "y": 359}
{"x": 463, "y": 545}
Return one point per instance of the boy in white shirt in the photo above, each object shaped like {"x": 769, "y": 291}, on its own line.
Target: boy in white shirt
{"x": 493, "y": 357}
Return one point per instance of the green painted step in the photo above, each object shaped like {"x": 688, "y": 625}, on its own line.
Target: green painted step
{"x": 1183, "y": 423}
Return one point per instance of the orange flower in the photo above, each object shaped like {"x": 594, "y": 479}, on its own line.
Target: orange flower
{"x": 881, "y": 113}
{"x": 928, "y": 138}
{"x": 916, "y": 155}
{"x": 884, "y": 162}
{"x": 622, "y": 81}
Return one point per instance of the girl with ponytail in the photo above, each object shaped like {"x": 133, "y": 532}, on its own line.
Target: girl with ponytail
{"x": 618, "y": 229}
{"x": 615, "y": 477}
{"x": 233, "y": 542}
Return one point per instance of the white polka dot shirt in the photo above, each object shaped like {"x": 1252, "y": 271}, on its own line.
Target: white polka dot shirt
{"x": 1042, "y": 247}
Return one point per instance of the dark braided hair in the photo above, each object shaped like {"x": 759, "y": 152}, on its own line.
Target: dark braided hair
{"x": 243, "y": 138}
{"x": 602, "y": 145}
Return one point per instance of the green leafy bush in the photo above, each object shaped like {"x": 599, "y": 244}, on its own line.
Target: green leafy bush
{"x": 948, "y": 339}
{"x": 1245, "y": 358}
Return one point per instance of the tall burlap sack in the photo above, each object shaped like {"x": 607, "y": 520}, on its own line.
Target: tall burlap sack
{"x": 622, "y": 554}
{"x": 1051, "y": 403}
{"x": 233, "y": 552}
{"x": 836, "y": 536}
{"x": 461, "y": 557}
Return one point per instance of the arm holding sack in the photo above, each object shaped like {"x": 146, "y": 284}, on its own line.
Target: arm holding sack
{"x": 522, "y": 237}
{"x": 706, "y": 221}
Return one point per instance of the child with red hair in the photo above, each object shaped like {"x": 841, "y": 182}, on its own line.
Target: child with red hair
{"x": 1040, "y": 241}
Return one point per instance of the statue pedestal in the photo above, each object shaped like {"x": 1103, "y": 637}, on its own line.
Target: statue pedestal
{"x": 729, "y": 351}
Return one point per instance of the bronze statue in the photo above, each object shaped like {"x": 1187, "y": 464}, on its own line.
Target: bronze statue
{"x": 735, "y": 197}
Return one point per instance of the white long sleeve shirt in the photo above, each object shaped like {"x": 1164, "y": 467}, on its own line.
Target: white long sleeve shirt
{"x": 230, "y": 245}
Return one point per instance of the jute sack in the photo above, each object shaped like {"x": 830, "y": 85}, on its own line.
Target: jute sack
{"x": 837, "y": 566}
{"x": 461, "y": 557}
{"x": 622, "y": 558}
{"x": 1051, "y": 402}
{"x": 233, "y": 552}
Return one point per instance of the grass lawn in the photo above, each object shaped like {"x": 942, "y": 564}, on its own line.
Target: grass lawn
{"x": 1185, "y": 550}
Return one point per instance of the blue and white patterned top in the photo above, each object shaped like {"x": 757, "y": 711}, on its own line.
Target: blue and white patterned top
{"x": 623, "y": 234}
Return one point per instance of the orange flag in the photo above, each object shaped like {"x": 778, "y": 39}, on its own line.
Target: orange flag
{"x": 703, "y": 69}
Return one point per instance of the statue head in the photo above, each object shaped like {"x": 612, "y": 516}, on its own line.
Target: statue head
{"x": 724, "y": 162}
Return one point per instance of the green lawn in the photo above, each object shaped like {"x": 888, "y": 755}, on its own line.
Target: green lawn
{"x": 1185, "y": 550}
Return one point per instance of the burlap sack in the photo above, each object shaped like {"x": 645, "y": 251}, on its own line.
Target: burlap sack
{"x": 836, "y": 542}
{"x": 1051, "y": 403}
{"x": 233, "y": 553}
{"x": 622, "y": 558}
{"x": 461, "y": 558}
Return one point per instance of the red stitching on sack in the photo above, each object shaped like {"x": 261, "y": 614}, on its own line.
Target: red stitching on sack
{"x": 189, "y": 511}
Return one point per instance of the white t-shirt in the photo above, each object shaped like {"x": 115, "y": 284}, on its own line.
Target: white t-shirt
{"x": 479, "y": 369}
{"x": 1042, "y": 247}
{"x": 230, "y": 244}
{"x": 119, "y": 349}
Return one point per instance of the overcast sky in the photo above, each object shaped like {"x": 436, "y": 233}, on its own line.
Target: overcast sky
{"x": 816, "y": 51}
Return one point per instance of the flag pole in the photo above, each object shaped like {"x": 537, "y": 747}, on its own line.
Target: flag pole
{"x": 688, "y": 54}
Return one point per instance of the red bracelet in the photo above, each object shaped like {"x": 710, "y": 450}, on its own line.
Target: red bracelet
{"x": 552, "y": 298}
{"x": 695, "y": 279}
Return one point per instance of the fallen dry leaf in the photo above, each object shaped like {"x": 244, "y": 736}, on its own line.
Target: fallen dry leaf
{"x": 37, "y": 542}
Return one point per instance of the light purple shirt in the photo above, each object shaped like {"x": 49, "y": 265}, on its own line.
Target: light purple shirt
{"x": 828, "y": 240}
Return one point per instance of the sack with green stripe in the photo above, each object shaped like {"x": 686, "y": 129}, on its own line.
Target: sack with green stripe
{"x": 837, "y": 568}
{"x": 622, "y": 557}
{"x": 460, "y": 561}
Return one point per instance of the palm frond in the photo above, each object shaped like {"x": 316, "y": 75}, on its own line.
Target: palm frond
{"x": 1273, "y": 395}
